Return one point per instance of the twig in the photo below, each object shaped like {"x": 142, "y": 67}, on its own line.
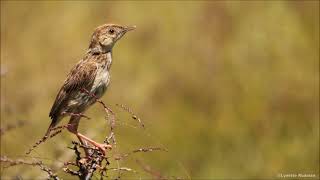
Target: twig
{"x": 44, "y": 138}
{"x": 120, "y": 169}
{"x": 133, "y": 116}
{"x": 110, "y": 114}
{"x": 44, "y": 168}
{"x": 140, "y": 150}
{"x": 85, "y": 167}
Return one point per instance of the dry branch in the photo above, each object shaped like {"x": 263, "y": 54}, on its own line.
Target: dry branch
{"x": 55, "y": 131}
{"x": 151, "y": 149}
{"x": 133, "y": 116}
{"x": 84, "y": 166}
{"x": 11, "y": 162}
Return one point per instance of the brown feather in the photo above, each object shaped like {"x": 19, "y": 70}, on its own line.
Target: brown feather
{"x": 91, "y": 73}
{"x": 80, "y": 77}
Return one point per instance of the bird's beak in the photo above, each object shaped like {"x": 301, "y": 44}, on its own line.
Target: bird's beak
{"x": 129, "y": 28}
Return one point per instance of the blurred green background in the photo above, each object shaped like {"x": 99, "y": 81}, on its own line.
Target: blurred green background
{"x": 230, "y": 88}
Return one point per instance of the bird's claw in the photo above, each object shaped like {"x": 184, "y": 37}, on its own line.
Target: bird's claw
{"x": 103, "y": 147}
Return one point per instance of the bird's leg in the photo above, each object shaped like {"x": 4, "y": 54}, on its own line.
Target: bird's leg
{"x": 73, "y": 128}
{"x": 102, "y": 147}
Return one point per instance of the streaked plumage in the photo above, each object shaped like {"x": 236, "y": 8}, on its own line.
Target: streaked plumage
{"x": 91, "y": 73}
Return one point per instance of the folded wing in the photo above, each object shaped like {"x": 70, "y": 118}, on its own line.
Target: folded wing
{"x": 80, "y": 77}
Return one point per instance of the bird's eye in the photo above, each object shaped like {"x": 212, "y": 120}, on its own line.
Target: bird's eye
{"x": 111, "y": 31}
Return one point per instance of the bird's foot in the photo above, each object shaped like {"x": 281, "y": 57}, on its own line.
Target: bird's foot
{"x": 103, "y": 147}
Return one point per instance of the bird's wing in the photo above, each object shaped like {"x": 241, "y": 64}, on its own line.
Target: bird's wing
{"x": 80, "y": 77}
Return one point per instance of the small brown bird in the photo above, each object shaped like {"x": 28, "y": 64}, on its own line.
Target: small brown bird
{"x": 91, "y": 74}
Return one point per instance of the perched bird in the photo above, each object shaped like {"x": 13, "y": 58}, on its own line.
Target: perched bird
{"x": 89, "y": 75}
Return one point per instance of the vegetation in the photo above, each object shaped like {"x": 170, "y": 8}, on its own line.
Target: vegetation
{"x": 230, "y": 89}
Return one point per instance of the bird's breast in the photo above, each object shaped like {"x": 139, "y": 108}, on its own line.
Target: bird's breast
{"x": 101, "y": 81}
{"x": 99, "y": 87}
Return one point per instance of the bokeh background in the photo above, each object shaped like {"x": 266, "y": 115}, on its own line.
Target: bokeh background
{"x": 230, "y": 88}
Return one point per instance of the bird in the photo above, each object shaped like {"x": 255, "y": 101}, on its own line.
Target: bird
{"x": 90, "y": 75}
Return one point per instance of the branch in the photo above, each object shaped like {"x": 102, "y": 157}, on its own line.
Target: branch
{"x": 133, "y": 116}
{"x": 120, "y": 157}
{"x": 44, "y": 168}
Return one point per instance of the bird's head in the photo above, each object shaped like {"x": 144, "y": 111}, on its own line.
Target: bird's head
{"x": 104, "y": 37}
